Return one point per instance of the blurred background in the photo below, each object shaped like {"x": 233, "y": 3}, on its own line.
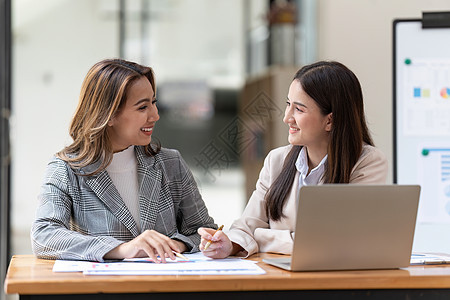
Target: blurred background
{"x": 222, "y": 68}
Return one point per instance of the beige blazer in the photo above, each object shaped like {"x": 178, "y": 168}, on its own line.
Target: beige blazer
{"x": 256, "y": 233}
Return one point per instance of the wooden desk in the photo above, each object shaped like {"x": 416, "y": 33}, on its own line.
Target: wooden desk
{"x": 33, "y": 278}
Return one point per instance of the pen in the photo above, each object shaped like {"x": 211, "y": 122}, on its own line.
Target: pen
{"x": 209, "y": 242}
{"x": 180, "y": 255}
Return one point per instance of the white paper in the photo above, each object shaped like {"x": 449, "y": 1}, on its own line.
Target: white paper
{"x": 197, "y": 264}
{"x": 423, "y": 258}
{"x": 70, "y": 265}
{"x": 198, "y": 256}
{"x": 433, "y": 163}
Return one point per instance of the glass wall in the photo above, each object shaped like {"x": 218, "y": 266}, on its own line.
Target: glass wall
{"x": 54, "y": 44}
{"x": 196, "y": 48}
{"x": 197, "y": 51}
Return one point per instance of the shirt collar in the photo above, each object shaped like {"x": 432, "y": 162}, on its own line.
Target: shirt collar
{"x": 302, "y": 164}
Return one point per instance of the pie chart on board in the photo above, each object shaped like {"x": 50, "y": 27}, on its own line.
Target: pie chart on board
{"x": 445, "y": 93}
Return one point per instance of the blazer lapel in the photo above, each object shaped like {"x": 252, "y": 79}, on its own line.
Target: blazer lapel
{"x": 149, "y": 180}
{"x": 105, "y": 190}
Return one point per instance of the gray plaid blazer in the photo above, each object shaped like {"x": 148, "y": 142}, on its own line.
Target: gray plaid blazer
{"x": 84, "y": 217}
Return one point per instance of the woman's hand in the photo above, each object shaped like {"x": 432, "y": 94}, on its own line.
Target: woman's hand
{"x": 151, "y": 244}
{"x": 220, "y": 246}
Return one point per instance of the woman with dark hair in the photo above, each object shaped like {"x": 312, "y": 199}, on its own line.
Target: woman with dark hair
{"x": 329, "y": 143}
{"x": 114, "y": 192}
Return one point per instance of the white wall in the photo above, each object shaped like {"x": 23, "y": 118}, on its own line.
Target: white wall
{"x": 200, "y": 40}
{"x": 359, "y": 34}
{"x": 55, "y": 42}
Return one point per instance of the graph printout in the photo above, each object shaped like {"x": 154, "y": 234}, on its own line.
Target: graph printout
{"x": 434, "y": 178}
{"x": 195, "y": 264}
{"x": 426, "y": 102}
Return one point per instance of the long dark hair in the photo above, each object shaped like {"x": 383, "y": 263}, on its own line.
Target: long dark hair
{"x": 336, "y": 90}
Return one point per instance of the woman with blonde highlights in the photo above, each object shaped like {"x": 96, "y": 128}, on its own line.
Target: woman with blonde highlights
{"x": 114, "y": 192}
{"x": 329, "y": 143}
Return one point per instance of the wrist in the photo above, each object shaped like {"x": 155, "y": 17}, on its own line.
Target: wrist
{"x": 181, "y": 246}
{"x": 235, "y": 248}
{"x": 115, "y": 253}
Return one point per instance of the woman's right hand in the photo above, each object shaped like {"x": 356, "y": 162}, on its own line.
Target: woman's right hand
{"x": 220, "y": 246}
{"x": 151, "y": 244}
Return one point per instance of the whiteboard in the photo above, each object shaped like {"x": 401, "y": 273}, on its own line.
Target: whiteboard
{"x": 421, "y": 89}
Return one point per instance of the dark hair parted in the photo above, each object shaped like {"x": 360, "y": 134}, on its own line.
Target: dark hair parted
{"x": 102, "y": 95}
{"x": 336, "y": 90}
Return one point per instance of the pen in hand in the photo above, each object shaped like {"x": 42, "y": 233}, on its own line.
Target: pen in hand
{"x": 209, "y": 242}
{"x": 180, "y": 255}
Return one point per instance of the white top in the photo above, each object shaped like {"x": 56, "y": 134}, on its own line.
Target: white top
{"x": 123, "y": 173}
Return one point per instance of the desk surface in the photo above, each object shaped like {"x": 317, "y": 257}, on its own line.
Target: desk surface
{"x": 28, "y": 275}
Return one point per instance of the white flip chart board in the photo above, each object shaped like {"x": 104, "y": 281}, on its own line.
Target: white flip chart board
{"x": 421, "y": 92}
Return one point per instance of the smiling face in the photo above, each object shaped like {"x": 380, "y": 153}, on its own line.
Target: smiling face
{"x": 308, "y": 127}
{"x": 133, "y": 123}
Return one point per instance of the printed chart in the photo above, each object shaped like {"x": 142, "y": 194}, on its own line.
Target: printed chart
{"x": 434, "y": 178}
{"x": 426, "y": 97}
{"x": 196, "y": 264}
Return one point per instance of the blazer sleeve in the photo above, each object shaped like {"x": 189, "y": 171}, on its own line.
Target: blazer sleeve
{"x": 371, "y": 168}
{"x": 252, "y": 231}
{"x": 51, "y": 235}
{"x": 274, "y": 240}
{"x": 192, "y": 212}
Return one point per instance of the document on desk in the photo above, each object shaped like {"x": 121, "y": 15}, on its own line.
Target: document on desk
{"x": 197, "y": 264}
{"x": 429, "y": 258}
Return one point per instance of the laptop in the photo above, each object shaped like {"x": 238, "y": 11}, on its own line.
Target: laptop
{"x": 353, "y": 227}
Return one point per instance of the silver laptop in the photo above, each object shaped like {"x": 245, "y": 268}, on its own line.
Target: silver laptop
{"x": 353, "y": 227}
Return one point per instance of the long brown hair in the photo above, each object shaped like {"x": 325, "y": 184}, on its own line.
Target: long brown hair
{"x": 103, "y": 94}
{"x": 336, "y": 90}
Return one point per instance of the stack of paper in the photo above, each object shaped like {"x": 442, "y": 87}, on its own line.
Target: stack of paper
{"x": 424, "y": 258}
{"x": 197, "y": 264}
